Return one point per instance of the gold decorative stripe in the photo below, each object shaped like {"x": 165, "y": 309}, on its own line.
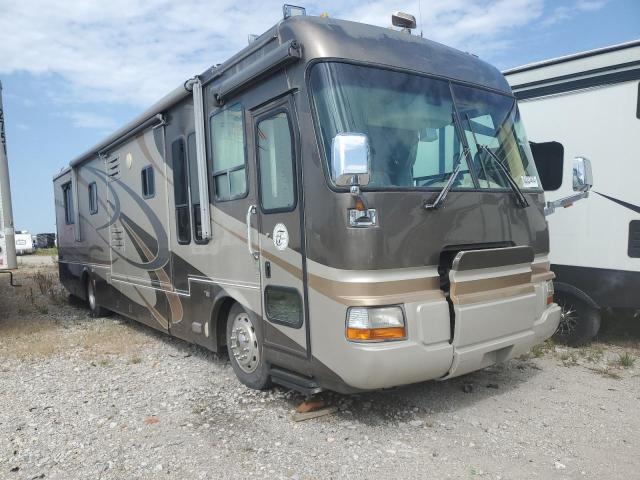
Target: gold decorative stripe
{"x": 359, "y": 293}
{"x": 491, "y": 295}
{"x": 491, "y": 283}
{"x": 542, "y": 277}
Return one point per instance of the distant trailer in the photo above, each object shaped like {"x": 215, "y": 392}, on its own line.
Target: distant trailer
{"x": 24, "y": 242}
{"x": 45, "y": 240}
{"x": 338, "y": 205}
{"x": 588, "y": 104}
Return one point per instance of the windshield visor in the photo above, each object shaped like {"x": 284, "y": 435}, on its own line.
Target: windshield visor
{"x": 412, "y": 129}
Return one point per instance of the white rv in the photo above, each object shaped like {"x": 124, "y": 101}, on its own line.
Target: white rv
{"x": 588, "y": 105}
{"x": 24, "y": 242}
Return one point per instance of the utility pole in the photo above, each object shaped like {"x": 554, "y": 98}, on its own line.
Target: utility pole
{"x": 7, "y": 230}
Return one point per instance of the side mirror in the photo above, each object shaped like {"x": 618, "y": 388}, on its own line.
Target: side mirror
{"x": 350, "y": 159}
{"x": 582, "y": 175}
{"x": 582, "y": 183}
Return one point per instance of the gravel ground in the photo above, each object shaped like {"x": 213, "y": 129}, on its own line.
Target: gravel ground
{"x": 111, "y": 399}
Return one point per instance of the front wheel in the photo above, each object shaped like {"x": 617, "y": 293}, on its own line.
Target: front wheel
{"x": 244, "y": 344}
{"x": 579, "y": 321}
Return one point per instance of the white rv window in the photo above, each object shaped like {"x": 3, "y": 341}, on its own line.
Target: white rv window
{"x": 275, "y": 157}
{"x": 638, "y": 106}
{"x": 227, "y": 140}
{"x": 148, "y": 182}
{"x": 93, "y": 198}
{"x": 67, "y": 199}
{"x": 180, "y": 191}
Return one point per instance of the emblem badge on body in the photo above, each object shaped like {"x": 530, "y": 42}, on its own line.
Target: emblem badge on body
{"x": 280, "y": 236}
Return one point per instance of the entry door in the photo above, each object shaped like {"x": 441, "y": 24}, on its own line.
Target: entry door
{"x": 281, "y": 237}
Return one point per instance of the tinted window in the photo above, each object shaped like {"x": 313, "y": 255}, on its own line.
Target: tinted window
{"x": 194, "y": 187}
{"x": 148, "y": 182}
{"x": 638, "y": 106}
{"x": 67, "y": 198}
{"x": 93, "y": 198}
{"x": 180, "y": 191}
{"x": 275, "y": 156}
{"x": 227, "y": 139}
{"x": 549, "y": 158}
{"x": 283, "y": 305}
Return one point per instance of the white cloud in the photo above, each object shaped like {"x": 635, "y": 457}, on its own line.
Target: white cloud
{"x": 91, "y": 120}
{"x": 22, "y": 126}
{"x": 564, "y": 12}
{"x": 134, "y": 52}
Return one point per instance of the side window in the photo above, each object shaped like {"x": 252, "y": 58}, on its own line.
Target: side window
{"x": 148, "y": 182}
{"x": 93, "y": 198}
{"x": 227, "y": 140}
{"x": 275, "y": 158}
{"x": 194, "y": 187}
{"x": 180, "y": 191}
{"x": 638, "y": 105}
{"x": 549, "y": 159}
{"x": 67, "y": 198}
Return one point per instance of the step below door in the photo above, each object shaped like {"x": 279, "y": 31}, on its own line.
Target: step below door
{"x": 494, "y": 303}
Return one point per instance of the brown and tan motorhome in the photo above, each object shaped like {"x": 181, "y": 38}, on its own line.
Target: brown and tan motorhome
{"x": 340, "y": 206}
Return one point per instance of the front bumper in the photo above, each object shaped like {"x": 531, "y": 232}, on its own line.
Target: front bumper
{"x": 375, "y": 366}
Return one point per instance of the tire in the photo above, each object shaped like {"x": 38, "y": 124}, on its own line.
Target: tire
{"x": 245, "y": 347}
{"x": 579, "y": 321}
{"x": 95, "y": 310}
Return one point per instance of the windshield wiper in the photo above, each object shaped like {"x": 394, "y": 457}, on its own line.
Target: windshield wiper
{"x": 445, "y": 190}
{"x": 512, "y": 183}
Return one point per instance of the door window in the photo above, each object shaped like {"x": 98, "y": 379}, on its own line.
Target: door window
{"x": 275, "y": 158}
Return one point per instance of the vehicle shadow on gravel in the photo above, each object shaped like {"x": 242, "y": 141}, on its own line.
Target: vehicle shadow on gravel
{"x": 411, "y": 402}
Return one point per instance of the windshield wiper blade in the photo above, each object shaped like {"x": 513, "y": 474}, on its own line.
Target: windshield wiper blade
{"x": 514, "y": 186}
{"x": 445, "y": 190}
{"x": 512, "y": 183}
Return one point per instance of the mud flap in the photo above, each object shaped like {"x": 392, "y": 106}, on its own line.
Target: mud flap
{"x": 494, "y": 306}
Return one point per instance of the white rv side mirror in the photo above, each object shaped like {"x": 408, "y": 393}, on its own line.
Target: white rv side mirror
{"x": 582, "y": 175}
{"x": 350, "y": 159}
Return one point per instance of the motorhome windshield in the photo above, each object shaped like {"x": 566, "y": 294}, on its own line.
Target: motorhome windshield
{"x": 413, "y": 134}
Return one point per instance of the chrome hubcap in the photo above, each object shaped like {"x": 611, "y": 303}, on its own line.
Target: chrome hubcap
{"x": 243, "y": 343}
{"x": 92, "y": 296}
{"x": 568, "y": 319}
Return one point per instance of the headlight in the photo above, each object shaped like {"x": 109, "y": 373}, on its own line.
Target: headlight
{"x": 550, "y": 292}
{"x": 375, "y": 324}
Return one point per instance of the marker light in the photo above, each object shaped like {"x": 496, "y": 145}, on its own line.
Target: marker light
{"x": 293, "y": 11}
{"x": 550, "y": 292}
{"x": 375, "y": 324}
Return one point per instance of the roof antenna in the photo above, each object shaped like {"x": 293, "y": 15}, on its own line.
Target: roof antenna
{"x": 420, "y": 14}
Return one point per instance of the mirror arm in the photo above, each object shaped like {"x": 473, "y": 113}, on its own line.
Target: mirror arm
{"x": 565, "y": 202}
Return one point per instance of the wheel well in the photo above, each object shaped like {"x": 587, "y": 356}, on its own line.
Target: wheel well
{"x": 576, "y": 292}
{"x": 219, "y": 321}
